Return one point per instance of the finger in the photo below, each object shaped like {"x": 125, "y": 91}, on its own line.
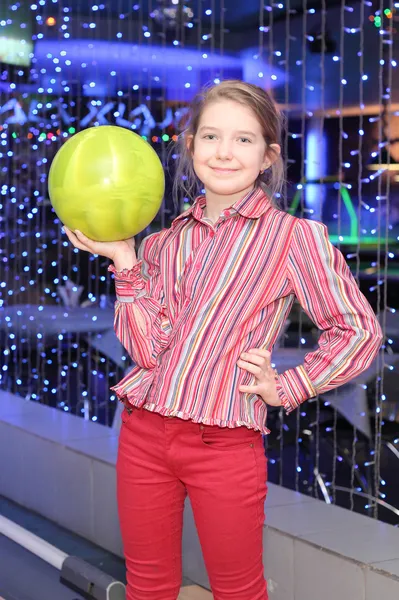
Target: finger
{"x": 261, "y": 352}
{"x": 71, "y": 237}
{"x": 248, "y": 389}
{"x": 254, "y": 369}
{"x": 266, "y": 357}
{"x": 252, "y": 358}
{"x": 75, "y": 241}
{"x": 90, "y": 245}
{"x": 83, "y": 238}
{"x": 69, "y": 233}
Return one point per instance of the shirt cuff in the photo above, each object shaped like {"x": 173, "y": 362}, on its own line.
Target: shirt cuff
{"x": 294, "y": 387}
{"x": 128, "y": 282}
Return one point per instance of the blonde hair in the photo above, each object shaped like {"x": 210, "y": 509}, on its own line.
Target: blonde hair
{"x": 186, "y": 183}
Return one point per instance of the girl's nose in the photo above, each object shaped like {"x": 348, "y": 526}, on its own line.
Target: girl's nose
{"x": 224, "y": 150}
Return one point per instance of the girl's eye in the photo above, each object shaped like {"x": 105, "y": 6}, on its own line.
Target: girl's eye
{"x": 243, "y": 139}
{"x": 209, "y": 136}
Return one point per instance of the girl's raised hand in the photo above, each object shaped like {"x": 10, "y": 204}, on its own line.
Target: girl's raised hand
{"x": 257, "y": 362}
{"x": 108, "y": 249}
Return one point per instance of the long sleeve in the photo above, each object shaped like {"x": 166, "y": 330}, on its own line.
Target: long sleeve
{"x": 141, "y": 319}
{"x": 351, "y": 335}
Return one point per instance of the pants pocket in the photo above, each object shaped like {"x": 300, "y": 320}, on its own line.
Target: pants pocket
{"x": 227, "y": 439}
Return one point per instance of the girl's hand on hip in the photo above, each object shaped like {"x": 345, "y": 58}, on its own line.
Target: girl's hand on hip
{"x": 108, "y": 249}
{"x": 257, "y": 362}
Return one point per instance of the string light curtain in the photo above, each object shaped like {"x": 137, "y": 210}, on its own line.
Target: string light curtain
{"x": 69, "y": 65}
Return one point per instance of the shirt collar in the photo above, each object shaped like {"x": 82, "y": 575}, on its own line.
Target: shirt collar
{"x": 252, "y": 206}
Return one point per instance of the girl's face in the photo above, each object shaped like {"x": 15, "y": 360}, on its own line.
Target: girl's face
{"x": 229, "y": 148}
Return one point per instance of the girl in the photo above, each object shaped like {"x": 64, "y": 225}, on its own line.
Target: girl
{"x": 199, "y": 313}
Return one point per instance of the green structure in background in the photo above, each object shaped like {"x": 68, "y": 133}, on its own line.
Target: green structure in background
{"x": 353, "y": 237}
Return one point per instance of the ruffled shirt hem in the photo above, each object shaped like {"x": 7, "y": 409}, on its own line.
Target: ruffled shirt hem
{"x": 165, "y": 411}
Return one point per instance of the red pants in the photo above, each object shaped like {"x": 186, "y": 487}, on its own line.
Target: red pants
{"x": 223, "y": 471}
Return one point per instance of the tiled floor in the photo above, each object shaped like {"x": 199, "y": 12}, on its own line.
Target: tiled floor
{"x": 193, "y": 592}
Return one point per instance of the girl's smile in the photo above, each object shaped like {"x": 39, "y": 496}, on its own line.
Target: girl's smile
{"x": 223, "y": 170}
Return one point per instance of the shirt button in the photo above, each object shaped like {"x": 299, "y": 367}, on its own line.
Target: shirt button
{"x": 201, "y": 427}
{"x": 212, "y": 234}
{"x": 198, "y": 266}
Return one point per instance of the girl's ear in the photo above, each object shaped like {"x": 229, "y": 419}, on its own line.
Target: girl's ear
{"x": 271, "y": 156}
{"x": 189, "y": 143}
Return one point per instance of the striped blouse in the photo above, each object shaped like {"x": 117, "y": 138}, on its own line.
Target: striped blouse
{"x": 209, "y": 292}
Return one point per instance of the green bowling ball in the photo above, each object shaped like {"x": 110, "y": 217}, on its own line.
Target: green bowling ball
{"x": 106, "y": 181}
